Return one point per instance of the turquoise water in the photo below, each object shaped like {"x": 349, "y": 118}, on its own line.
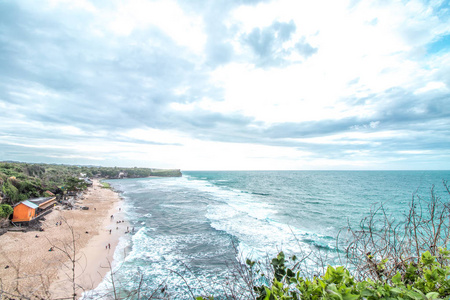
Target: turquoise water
{"x": 189, "y": 230}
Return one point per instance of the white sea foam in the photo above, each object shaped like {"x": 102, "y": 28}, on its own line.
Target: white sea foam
{"x": 241, "y": 215}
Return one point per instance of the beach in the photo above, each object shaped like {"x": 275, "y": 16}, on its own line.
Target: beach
{"x": 83, "y": 239}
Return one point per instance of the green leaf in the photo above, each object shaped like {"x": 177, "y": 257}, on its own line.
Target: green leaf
{"x": 397, "y": 278}
{"x": 396, "y": 290}
{"x": 367, "y": 293}
{"x": 350, "y": 297}
{"x": 332, "y": 292}
{"x": 432, "y": 295}
{"x": 289, "y": 273}
{"x": 414, "y": 295}
{"x": 268, "y": 293}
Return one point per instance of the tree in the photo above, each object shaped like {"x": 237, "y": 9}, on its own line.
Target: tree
{"x": 75, "y": 184}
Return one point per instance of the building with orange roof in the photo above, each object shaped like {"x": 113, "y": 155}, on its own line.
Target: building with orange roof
{"x": 32, "y": 209}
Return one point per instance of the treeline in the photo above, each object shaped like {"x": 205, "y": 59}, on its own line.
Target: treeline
{"x": 116, "y": 172}
{"x": 21, "y": 181}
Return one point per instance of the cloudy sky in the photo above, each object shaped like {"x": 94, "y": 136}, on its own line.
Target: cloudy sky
{"x": 226, "y": 84}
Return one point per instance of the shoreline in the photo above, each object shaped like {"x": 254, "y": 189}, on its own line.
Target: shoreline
{"x": 27, "y": 267}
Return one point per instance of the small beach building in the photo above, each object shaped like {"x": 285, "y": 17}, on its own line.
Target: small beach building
{"x": 32, "y": 209}
{"x": 24, "y": 211}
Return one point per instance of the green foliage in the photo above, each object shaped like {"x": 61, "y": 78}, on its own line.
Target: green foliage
{"x": 429, "y": 279}
{"x": 10, "y": 191}
{"x": 75, "y": 184}
{"x": 5, "y": 210}
{"x": 105, "y": 185}
{"x": 130, "y": 172}
{"x": 21, "y": 181}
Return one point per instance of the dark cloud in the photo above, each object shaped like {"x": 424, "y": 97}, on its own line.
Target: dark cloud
{"x": 267, "y": 44}
{"x": 310, "y": 128}
{"x": 218, "y": 48}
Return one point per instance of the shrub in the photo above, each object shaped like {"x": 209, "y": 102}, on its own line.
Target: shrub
{"x": 429, "y": 279}
{"x": 10, "y": 191}
{"x": 5, "y": 210}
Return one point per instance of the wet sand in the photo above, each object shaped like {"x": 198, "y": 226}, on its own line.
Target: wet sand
{"x": 34, "y": 270}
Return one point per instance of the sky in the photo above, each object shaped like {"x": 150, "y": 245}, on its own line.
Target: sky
{"x": 226, "y": 84}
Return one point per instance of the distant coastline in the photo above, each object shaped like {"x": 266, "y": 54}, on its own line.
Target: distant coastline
{"x": 128, "y": 173}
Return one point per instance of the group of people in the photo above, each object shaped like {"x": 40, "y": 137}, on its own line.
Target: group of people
{"x": 128, "y": 231}
{"x": 117, "y": 228}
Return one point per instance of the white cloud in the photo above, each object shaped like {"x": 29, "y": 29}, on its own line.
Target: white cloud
{"x": 415, "y": 152}
{"x": 432, "y": 86}
{"x": 72, "y": 157}
{"x": 74, "y": 4}
{"x": 166, "y": 15}
{"x": 156, "y": 135}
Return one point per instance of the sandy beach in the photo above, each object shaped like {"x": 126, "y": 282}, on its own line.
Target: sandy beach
{"x": 27, "y": 266}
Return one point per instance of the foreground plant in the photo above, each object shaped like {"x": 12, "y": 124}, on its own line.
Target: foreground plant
{"x": 429, "y": 279}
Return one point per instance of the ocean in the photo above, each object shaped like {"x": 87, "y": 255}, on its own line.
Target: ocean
{"x": 190, "y": 231}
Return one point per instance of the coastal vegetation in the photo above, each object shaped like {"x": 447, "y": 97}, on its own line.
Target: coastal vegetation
{"x": 105, "y": 185}
{"x": 428, "y": 278}
{"x": 21, "y": 181}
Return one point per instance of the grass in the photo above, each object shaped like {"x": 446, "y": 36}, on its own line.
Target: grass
{"x": 105, "y": 185}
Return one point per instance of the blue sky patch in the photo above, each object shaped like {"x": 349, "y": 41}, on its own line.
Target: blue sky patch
{"x": 442, "y": 44}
